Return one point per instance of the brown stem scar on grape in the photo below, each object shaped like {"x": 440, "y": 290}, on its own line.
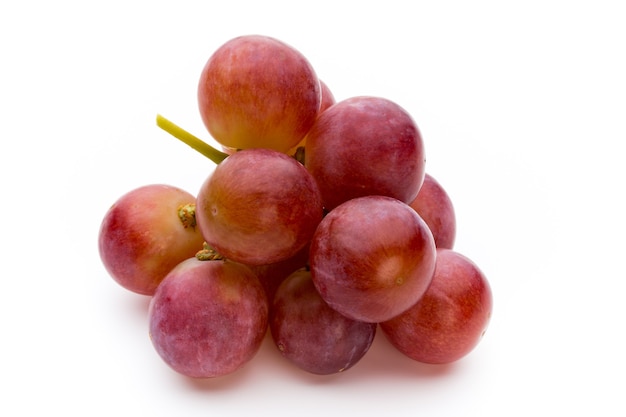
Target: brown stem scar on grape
{"x": 187, "y": 215}
{"x": 207, "y": 253}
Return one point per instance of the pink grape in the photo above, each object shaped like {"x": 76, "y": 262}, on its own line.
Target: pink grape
{"x": 372, "y": 258}
{"x": 365, "y": 146}
{"x": 208, "y": 318}
{"x": 259, "y": 207}
{"x": 312, "y": 335}
{"x": 451, "y": 317}
{"x": 256, "y": 91}
{"x": 434, "y": 205}
{"x": 146, "y": 233}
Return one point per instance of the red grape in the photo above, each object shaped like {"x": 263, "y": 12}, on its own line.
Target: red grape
{"x": 372, "y": 257}
{"x": 143, "y": 236}
{"x": 310, "y": 334}
{"x": 434, "y": 205}
{"x": 258, "y": 207}
{"x": 451, "y": 317}
{"x": 208, "y": 318}
{"x": 365, "y": 146}
{"x": 256, "y": 91}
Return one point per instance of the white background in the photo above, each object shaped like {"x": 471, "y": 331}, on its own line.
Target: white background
{"x": 522, "y": 107}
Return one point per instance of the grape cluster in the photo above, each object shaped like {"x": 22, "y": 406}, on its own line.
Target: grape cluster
{"x": 319, "y": 224}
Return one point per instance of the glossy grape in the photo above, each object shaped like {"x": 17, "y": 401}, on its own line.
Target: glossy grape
{"x": 435, "y": 206}
{"x": 259, "y": 207}
{"x": 146, "y": 233}
{"x": 208, "y": 318}
{"x": 365, "y": 146}
{"x": 310, "y": 334}
{"x": 257, "y": 91}
{"x": 372, "y": 258}
{"x": 451, "y": 317}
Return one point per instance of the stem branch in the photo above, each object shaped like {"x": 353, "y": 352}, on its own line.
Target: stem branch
{"x": 191, "y": 140}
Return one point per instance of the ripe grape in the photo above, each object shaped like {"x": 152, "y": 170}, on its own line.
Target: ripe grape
{"x": 258, "y": 207}
{"x": 208, "y": 318}
{"x": 310, "y": 334}
{"x": 146, "y": 233}
{"x": 256, "y": 91}
{"x": 365, "y": 146}
{"x": 434, "y": 205}
{"x": 372, "y": 257}
{"x": 451, "y": 317}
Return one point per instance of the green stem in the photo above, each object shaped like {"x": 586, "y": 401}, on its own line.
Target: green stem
{"x": 191, "y": 140}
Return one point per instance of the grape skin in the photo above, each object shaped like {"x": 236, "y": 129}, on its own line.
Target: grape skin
{"x": 372, "y": 258}
{"x": 434, "y": 205}
{"x": 310, "y": 334}
{"x": 208, "y": 318}
{"x": 451, "y": 317}
{"x": 259, "y": 207}
{"x": 142, "y": 237}
{"x": 365, "y": 146}
{"x": 256, "y": 91}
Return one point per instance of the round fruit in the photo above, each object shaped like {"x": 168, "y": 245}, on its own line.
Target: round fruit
{"x": 259, "y": 207}
{"x": 256, "y": 91}
{"x": 310, "y": 334}
{"x": 372, "y": 258}
{"x": 451, "y": 317}
{"x": 208, "y": 318}
{"x": 146, "y": 233}
{"x": 435, "y": 206}
{"x": 365, "y": 146}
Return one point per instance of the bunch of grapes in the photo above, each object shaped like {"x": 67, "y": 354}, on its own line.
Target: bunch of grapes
{"x": 319, "y": 225}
